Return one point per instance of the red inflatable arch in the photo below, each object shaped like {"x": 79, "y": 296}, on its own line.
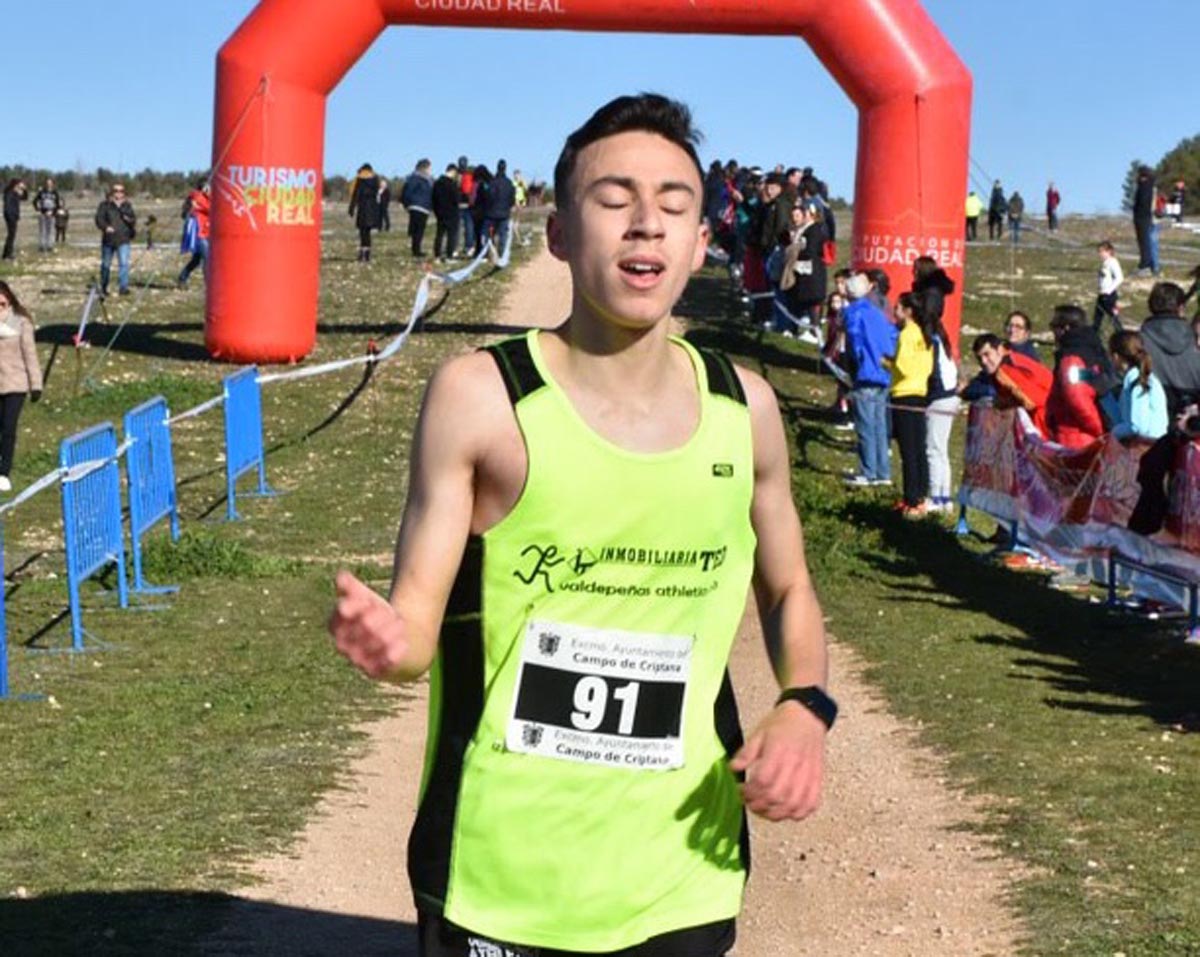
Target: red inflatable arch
{"x": 273, "y": 74}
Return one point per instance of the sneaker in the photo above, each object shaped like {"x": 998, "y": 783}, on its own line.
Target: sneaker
{"x": 857, "y": 481}
{"x": 123, "y": 292}
{"x": 810, "y": 337}
{"x": 882, "y": 482}
{"x": 844, "y": 427}
{"x": 5, "y": 484}
{"x": 914, "y": 511}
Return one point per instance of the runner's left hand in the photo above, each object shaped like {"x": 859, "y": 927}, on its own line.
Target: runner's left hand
{"x": 784, "y": 762}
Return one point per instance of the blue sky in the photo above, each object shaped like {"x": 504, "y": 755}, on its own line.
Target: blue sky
{"x": 1070, "y": 90}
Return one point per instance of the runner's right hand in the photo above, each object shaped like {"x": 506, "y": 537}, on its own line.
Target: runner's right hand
{"x": 366, "y": 629}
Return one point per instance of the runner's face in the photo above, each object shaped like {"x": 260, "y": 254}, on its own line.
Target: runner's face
{"x": 631, "y": 232}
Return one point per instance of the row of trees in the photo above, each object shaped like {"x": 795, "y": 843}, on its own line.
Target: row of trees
{"x": 1180, "y": 163}
{"x": 146, "y": 183}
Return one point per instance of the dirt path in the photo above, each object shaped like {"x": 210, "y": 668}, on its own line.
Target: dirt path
{"x": 886, "y": 869}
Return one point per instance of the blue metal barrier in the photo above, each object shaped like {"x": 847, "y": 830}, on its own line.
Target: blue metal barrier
{"x": 91, "y": 502}
{"x": 150, "y": 468}
{"x": 243, "y": 434}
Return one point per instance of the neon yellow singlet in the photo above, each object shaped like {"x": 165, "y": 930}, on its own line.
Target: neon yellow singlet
{"x": 576, "y": 792}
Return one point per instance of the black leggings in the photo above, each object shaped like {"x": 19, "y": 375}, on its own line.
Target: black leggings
{"x": 440, "y": 938}
{"x": 908, "y": 425}
{"x": 10, "y": 411}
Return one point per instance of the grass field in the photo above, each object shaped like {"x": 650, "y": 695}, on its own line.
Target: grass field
{"x": 131, "y": 792}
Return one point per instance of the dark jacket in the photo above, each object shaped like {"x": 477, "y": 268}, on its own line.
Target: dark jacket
{"x": 418, "y": 192}
{"x": 1175, "y": 359}
{"x": 1143, "y": 200}
{"x": 934, "y": 289}
{"x": 12, "y": 203}
{"x": 1016, "y": 206}
{"x": 501, "y": 196}
{"x": 997, "y": 204}
{"x": 122, "y": 219}
{"x": 809, "y": 285}
{"x": 1027, "y": 348}
{"x": 364, "y": 202}
{"x": 46, "y": 201}
{"x": 445, "y": 198}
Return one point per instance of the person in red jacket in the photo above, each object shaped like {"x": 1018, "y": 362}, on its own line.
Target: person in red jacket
{"x": 195, "y": 231}
{"x": 1019, "y": 380}
{"x": 1083, "y": 376}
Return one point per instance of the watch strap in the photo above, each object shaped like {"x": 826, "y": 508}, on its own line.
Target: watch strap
{"x": 814, "y": 698}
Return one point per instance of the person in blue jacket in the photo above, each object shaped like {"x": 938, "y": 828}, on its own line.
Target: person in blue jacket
{"x": 870, "y": 339}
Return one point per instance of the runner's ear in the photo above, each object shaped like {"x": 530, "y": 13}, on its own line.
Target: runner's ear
{"x": 556, "y": 239}
{"x": 701, "y": 250}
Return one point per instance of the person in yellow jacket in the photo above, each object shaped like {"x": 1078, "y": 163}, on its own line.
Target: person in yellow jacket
{"x": 911, "y": 369}
{"x": 974, "y": 210}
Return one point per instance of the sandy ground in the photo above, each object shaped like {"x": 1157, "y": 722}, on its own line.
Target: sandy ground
{"x": 888, "y": 868}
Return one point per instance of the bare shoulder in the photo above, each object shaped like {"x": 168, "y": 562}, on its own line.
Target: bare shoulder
{"x": 466, "y": 401}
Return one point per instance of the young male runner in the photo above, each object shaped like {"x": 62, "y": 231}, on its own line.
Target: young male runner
{"x": 586, "y": 509}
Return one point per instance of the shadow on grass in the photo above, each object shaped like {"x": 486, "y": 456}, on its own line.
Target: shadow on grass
{"x": 141, "y": 922}
{"x": 1079, "y": 650}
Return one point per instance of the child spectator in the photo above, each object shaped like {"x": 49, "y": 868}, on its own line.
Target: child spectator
{"x": 1142, "y": 410}
{"x": 1110, "y": 278}
{"x": 911, "y": 369}
{"x": 1082, "y": 378}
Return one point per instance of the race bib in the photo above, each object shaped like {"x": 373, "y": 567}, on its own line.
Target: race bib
{"x": 597, "y": 696}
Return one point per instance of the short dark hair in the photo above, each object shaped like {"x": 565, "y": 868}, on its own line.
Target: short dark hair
{"x": 647, "y": 112}
{"x": 987, "y": 339}
{"x": 1024, "y": 315}
{"x": 881, "y": 280}
{"x": 1068, "y": 316}
{"x": 1166, "y": 299}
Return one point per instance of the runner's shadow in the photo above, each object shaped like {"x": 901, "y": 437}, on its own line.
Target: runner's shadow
{"x": 140, "y": 922}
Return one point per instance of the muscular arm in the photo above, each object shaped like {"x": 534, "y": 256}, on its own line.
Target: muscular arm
{"x": 784, "y": 756}
{"x": 397, "y": 639}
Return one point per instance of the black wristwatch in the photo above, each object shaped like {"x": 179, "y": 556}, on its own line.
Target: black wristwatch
{"x": 815, "y": 699}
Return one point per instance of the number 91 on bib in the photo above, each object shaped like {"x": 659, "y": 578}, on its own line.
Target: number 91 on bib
{"x": 598, "y": 696}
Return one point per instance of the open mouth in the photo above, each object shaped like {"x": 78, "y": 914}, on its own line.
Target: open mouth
{"x": 642, "y": 268}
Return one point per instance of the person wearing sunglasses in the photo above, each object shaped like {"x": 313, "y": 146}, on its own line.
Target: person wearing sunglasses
{"x": 117, "y": 223}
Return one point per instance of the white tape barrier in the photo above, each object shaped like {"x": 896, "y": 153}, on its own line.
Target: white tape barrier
{"x": 420, "y": 302}
{"x": 72, "y": 474}
{"x": 89, "y": 304}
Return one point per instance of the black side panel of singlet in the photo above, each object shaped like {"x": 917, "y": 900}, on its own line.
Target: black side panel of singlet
{"x": 729, "y": 731}
{"x": 460, "y": 655}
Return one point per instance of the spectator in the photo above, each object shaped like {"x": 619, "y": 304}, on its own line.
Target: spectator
{"x": 1083, "y": 377}
{"x": 1016, "y": 212}
{"x": 943, "y": 404}
{"x": 870, "y": 340}
{"x": 1018, "y": 330}
{"x": 20, "y": 375}
{"x": 445, "y": 211}
{"x": 117, "y": 223}
{"x": 385, "y": 205}
{"x": 466, "y": 199}
{"x": 833, "y": 353}
{"x": 1019, "y": 381}
{"x": 803, "y": 281}
{"x": 1142, "y": 409}
{"x": 15, "y": 193}
{"x": 881, "y": 285}
{"x": 1143, "y": 221}
{"x": 911, "y": 370}
{"x": 45, "y": 202}
{"x": 1178, "y": 197}
{"x": 417, "y": 198}
{"x": 1053, "y": 199}
{"x": 521, "y": 199}
{"x": 62, "y": 219}
{"x": 931, "y": 281}
{"x": 1172, "y": 347}
{"x": 501, "y": 197}
{"x": 1109, "y": 281}
{"x": 974, "y": 206}
{"x": 365, "y": 208}
{"x": 997, "y": 210}
{"x": 195, "y": 231}
{"x": 483, "y": 180}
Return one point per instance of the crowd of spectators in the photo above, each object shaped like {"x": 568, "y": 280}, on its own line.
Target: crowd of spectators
{"x": 468, "y": 203}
